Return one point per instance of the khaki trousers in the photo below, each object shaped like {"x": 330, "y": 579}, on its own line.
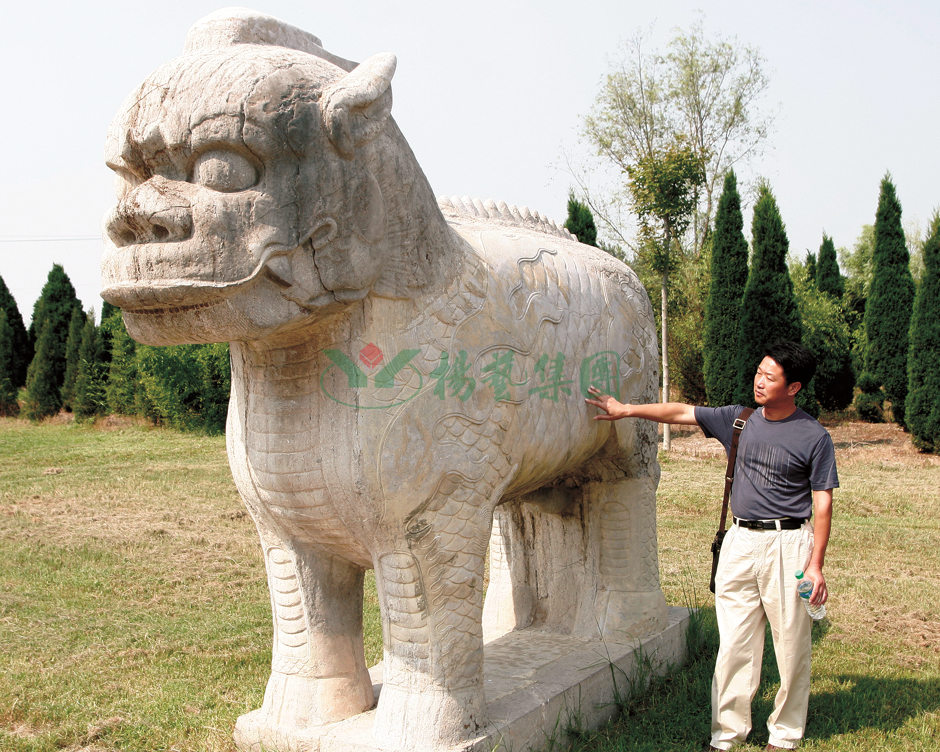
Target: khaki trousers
{"x": 755, "y": 583}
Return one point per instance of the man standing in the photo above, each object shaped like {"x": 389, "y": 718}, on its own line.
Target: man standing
{"x": 785, "y": 471}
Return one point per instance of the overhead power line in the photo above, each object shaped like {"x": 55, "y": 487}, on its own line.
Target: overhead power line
{"x": 45, "y": 238}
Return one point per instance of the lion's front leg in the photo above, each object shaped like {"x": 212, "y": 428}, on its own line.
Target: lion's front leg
{"x": 318, "y": 671}
{"x": 431, "y": 596}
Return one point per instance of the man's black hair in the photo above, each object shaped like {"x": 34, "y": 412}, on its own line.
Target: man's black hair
{"x": 798, "y": 363}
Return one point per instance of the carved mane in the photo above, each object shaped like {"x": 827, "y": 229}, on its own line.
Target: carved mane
{"x": 454, "y": 207}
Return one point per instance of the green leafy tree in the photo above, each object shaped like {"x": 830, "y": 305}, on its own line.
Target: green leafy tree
{"x": 22, "y": 348}
{"x": 54, "y": 309}
{"x": 769, "y": 312}
{"x": 858, "y": 266}
{"x": 89, "y": 392}
{"x": 726, "y": 288}
{"x": 923, "y": 362}
{"x": 664, "y": 189}
{"x": 828, "y": 277}
{"x": 43, "y": 392}
{"x": 890, "y": 302}
{"x": 8, "y": 391}
{"x": 688, "y": 292}
{"x": 580, "y": 221}
{"x": 72, "y": 346}
{"x": 826, "y": 333}
{"x": 705, "y": 90}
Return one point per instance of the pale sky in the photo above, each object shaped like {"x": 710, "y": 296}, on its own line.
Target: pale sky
{"x": 489, "y": 95}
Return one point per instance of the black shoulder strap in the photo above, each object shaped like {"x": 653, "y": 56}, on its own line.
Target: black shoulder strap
{"x": 739, "y": 424}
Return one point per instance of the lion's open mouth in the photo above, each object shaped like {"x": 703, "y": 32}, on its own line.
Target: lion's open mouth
{"x": 146, "y": 279}
{"x": 147, "y": 296}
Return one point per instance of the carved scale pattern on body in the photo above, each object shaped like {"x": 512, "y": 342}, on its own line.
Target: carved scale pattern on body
{"x": 446, "y": 533}
{"x": 285, "y": 465}
{"x": 287, "y": 487}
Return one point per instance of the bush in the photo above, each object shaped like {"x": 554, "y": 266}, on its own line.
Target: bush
{"x": 826, "y": 333}
{"x": 185, "y": 386}
{"x": 869, "y": 402}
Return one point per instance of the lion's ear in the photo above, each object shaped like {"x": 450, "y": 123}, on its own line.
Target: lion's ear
{"x": 356, "y": 108}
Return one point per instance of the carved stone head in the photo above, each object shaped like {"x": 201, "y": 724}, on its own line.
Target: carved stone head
{"x": 246, "y": 177}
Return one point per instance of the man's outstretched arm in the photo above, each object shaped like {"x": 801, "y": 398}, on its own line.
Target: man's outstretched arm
{"x": 677, "y": 413}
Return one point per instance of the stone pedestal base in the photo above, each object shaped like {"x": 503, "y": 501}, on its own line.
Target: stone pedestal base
{"x": 537, "y": 685}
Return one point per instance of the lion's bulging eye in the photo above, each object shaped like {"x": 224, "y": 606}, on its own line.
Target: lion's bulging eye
{"x": 225, "y": 171}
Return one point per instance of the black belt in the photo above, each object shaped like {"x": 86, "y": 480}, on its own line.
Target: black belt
{"x": 784, "y": 523}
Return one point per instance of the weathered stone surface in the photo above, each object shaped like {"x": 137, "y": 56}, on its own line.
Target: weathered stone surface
{"x": 407, "y": 375}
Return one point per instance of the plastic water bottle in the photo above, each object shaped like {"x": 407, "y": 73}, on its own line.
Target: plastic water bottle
{"x": 805, "y": 589}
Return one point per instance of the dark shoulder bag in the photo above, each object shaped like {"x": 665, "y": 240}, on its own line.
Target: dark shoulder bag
{"x": 739, "y": 423}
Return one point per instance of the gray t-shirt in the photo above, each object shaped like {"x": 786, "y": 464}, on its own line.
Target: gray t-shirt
{"x": 780, "y": 462}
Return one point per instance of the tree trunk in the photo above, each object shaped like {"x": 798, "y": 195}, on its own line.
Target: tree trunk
{"x": 667, "y": 438}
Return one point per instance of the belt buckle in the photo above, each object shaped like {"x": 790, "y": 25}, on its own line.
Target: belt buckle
{"x": 739, "y": 424}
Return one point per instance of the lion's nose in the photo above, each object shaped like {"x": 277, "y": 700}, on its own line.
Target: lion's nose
{"x": 155, "y": 212}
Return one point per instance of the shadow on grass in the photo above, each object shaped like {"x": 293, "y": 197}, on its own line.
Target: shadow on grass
{"x": 866, "y": 702}
{"x": 674, "y": 715}
{"x": 861, "y": 702}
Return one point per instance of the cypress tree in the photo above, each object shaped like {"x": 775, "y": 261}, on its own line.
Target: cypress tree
{"x": 122, "y": 386}
{"x": 89, "y": 396}
{"x": 72, "y": 346}
{"x": 43, "y": 394}
{"x": 769, "y": 312}
{"x": 828, "y": 277}
{"x": 890, "y": 302}
{"x": 923, "y": 362}
{"x": 8, "y": 390}
{"x": 811, "y": 267}
{"x": 54, "y": 307}
{"x": 580, "y": 222}
{"x": 107, "y": 311}
{"x": 22, "y": 347}
{"x": 725, "y": 290}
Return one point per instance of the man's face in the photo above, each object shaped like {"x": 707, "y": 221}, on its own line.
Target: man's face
{"x": 770, "y": 385}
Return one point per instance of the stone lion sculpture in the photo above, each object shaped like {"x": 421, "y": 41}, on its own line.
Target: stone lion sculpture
{"x": 408, "y": 377}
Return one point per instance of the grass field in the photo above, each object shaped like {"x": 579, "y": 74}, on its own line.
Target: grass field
{"x": 134, "y": 609}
